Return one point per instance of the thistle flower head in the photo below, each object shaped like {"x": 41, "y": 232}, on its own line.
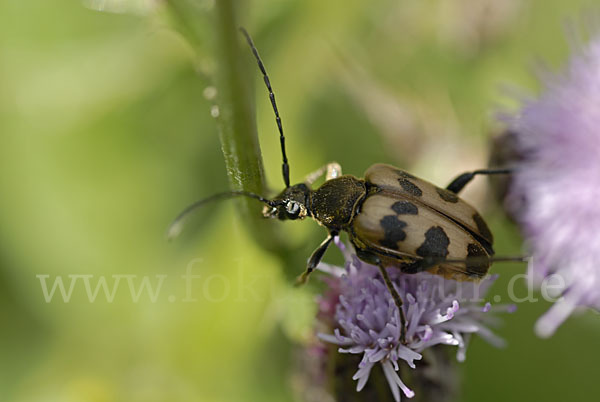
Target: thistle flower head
{"x": 438, "y": 311}
{"x": 555, "y": 191}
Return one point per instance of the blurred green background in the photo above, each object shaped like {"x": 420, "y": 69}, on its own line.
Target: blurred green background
{"x": 106, "y": 133}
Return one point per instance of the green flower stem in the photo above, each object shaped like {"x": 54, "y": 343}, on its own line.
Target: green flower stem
{"x": 237, "y": 124}
{"x": 234, "y": 79}
{"x": 234, "y": 111}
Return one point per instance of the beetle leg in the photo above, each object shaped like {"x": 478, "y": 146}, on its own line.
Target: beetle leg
{"x": 397, "y": 300}
{"x": 462, "y": 180}
{"x": 331, "y": 171}
{"x": 373, "y": 259}
{"x": 315, "y": 258}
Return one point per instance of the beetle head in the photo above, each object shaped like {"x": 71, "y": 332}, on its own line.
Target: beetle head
{"x": 291, "y": 203}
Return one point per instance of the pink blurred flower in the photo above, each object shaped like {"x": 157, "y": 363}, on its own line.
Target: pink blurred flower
{"x": 555, "y": 190}
{"x": 366, "y": 321}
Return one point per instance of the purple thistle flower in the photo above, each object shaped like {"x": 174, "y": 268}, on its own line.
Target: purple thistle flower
{"x": 555, "y": 190}
{"x": 367, "y": 322}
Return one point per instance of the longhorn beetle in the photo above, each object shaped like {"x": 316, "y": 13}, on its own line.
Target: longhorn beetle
{"x": 392, "y": 218}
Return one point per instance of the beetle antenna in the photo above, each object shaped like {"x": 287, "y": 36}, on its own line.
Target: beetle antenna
{"x": 474, "y": 260}
{"x": 491, "y": 259}
{"x": 285, "y": 167}
{"x": 177, "y": 225}
{"x": 431, "y": 261}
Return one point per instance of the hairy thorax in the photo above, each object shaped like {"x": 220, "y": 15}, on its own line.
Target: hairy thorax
{"x": 335, "y": 203}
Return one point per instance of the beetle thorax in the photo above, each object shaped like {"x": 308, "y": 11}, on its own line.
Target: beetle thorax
{"x": 337, "y": 201}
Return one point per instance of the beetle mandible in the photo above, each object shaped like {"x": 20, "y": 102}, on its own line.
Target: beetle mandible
{"x": 392, "y": 218}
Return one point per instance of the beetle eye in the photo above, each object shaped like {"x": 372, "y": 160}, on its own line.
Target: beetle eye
{"x": 292, "y": 208}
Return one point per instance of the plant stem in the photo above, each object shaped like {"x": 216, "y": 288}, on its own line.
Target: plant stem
{"x": 237, "y": 122}
{"x": 234, "y": 109}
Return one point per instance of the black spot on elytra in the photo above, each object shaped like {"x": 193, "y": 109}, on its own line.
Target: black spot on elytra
{"x": 393, "y": 232}
{"x": 405, "y": 208}
{"x": 446, "y": 195}
{"x": 404, "y": 174}
{"x": 410, "y": 187}
{"x": 435, "y": 244}
{"x": 482, "y": 227}
{"x": 477, "y": 260}
{"x": 475, "y": 250}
